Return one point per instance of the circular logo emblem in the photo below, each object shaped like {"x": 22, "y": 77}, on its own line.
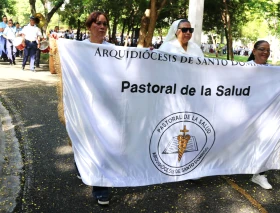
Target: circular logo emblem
{"x": 180, "y": 142}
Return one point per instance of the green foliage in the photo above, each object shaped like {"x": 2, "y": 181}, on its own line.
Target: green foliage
{"x": 7, "y": 7}
{"x": 254, "y": 30}
{"x": 268, "y": 10}
{"x": 250, "y": 19}
{"x": 21, "y": 12}
{"x": 213, "y": 16}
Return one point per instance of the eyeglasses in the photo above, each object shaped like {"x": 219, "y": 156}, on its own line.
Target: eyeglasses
{"x": 105, "y": 24}
{"x": 263, "y": 50}
{"x": 186, "y": 29}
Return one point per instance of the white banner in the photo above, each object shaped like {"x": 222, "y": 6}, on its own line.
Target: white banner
{"x": 139, "y": 117}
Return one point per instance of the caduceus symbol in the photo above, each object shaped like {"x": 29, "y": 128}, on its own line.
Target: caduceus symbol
{"x": 182, "y": 142}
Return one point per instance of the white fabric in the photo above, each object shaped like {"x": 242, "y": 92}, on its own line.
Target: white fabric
{"x": 31, "y": 32}
{"x": 172, "y": 45}
{"x": 129, "y": 136}
{"x": 171, "y": 35}
{"x": 175, "y": 47}
{"x": 10, "y": 33}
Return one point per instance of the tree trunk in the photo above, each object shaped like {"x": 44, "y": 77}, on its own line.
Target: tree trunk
{"x": 78, "y": 29}
{"x": 32, "y": 6}
{"x": 228, "y": 26}
{"x": 148, "y": 23}
{"x": 122, "y": 33}
{"x": 226, "y": 34}
{"x": 144, "y": 28}
{"x": 114, "y": 30}
{"x": 152, "y": 25}
{"x": 49, "y": 15}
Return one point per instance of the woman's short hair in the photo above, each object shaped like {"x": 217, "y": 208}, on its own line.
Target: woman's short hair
{"x": 93, "y": 18}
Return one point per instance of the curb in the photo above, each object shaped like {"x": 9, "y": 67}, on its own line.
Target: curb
{"x": 10, "y": 163}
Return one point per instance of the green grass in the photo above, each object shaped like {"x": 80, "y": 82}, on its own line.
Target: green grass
{"x": 224, "y": 56}
{"x": 44, "y": 58}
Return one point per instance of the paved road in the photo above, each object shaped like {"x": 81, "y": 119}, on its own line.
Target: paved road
{"x": 47, "y": 175}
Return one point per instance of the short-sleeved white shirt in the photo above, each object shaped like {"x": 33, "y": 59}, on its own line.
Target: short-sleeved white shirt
{"x": 10, "y": 33}
{"x": 31, "y": 32}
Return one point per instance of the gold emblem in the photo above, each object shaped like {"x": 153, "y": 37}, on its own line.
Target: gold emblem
{"x": 182, "y": 142}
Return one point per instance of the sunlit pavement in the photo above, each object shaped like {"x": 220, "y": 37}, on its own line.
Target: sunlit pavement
{"x": 48, "y": 178}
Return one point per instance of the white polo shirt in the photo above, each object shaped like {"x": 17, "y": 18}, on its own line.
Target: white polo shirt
{"x": 31, "y": 32}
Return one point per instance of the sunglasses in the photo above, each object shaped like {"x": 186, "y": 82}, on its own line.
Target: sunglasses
{"x": 105, "y": 24}
{"x": 186, "y": 29}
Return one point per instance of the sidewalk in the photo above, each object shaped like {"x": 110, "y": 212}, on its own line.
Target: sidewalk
{"x": 48, "y": 178}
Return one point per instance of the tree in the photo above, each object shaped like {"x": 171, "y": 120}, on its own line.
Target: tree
{"x": 228, "y": 16}
{"x": 6, "y": 6}
{"x": 269, "y": 10}
{"x": 148, "y": 22}
{"x": 254, "y": 30}
{"x": 48, "y": 14}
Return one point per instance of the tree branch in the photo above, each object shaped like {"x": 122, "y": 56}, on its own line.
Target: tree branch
{"x": 54, "y": 9}
{"x": 32, "y": 6}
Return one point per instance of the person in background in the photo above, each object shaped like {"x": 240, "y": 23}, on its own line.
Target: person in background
{"x": 37, "y": 57}
{"x": 178, "y": 39}
{"x": 56, "y": 29}
{"x": 31, "y": 41}
{"x": 260, "y": 55}
{"x": 10, "y": 34}
{"x": 3, "y": 50}
{"x": 18, "y": 33}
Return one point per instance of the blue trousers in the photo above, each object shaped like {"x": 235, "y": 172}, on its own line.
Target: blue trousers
{"x": 3, "y": 50}
{"x": 29, "y": 50}
{"x": 97, "y": 191}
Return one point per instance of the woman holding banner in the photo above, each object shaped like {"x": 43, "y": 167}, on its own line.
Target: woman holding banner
{"x": 178, "y": 39}
{"x": 260, "y": 55}
{"x": 97, "y": 23}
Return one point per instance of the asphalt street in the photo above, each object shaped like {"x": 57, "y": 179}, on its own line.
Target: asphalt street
{"x": 38, "y": 175}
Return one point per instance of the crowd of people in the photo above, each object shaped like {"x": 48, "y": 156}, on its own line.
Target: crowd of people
{"x": 24, "y": 42}
{"x": 17, "y": 41}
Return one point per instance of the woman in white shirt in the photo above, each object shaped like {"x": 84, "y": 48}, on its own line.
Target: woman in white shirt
{"x": 178, "y": 39}
{"x": 259, "y": 55}
{"x": 97, "y": 24}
